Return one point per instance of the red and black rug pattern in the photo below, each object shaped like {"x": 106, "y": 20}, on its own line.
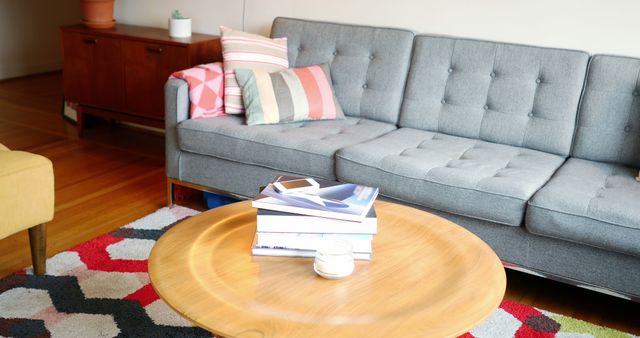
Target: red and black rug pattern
{"x": 101, "y": 289}
{"x": 98, "y": 289}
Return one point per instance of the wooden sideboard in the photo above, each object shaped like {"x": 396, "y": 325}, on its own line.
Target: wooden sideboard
{"x": 120, "y": 73}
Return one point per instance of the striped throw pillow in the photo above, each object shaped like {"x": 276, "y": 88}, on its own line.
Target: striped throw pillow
{"x": 248, "y": 51}
{"x": 296, "y": 94}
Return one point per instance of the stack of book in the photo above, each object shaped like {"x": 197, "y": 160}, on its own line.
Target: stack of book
{"x": 295, "y": 224}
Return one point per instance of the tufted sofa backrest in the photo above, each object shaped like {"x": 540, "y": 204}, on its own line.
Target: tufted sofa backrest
{"x": 503, "y": 93}
{"x": 369, "y": 65}
{"x": 609, "y": 120}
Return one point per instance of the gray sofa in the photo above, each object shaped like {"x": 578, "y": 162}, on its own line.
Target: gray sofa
{"x": 533, "y": 149}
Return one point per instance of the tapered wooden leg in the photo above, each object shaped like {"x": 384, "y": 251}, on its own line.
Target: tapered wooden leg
{"x": 38, "y": 242}
{"x": 169, "y": 192}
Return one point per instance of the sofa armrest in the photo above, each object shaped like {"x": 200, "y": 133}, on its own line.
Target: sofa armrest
{"x": 176, "y": 103}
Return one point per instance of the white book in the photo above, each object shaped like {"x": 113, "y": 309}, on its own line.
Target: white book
{"x": 278, "y": 221}
{"x": 259, "y": 251}
{"x": 305, "y": 241}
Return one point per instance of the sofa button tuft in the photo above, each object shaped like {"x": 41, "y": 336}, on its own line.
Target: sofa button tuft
{"x": 364, "y": 86}
{"x": 636, "y": 93}
{"x": 627, "y": 128}
{"x": 538, "y": 80}
{"x": 486, "y": 107}
{"x": 335, "y": 52}
{"x": 493, "y": 74}
{"x": 443, "y": 101}
{"x": 530, "y": 114}
{"x": 299, "y": 49}
{"x": 371, "y": 57}
{"x": 450, "y": 70}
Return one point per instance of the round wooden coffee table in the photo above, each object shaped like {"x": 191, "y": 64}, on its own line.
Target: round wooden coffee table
{"x": 429, "y": 278}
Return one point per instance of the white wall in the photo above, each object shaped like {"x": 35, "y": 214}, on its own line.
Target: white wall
{"x": 29, "y": 34}
{"x": 597, "y": 26}
{"x": 206, "y": 15}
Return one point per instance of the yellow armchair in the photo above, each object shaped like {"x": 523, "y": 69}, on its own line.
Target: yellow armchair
{"x": 26, "y": 199}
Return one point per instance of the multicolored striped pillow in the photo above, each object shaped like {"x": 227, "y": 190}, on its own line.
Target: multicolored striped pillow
{"x": 296, "y": 94}
{"x": 248, "y": 51}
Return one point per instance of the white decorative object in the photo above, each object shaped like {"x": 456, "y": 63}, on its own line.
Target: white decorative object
{"x": 179, "y": 26}
{"x": 334, "y": 259}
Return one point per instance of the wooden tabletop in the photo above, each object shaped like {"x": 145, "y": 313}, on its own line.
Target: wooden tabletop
{"x": 428, "y": 278}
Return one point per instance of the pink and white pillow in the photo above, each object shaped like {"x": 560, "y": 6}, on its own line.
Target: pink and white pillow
{"x": 242, "y": 50}
{"x": 206, "y": 89}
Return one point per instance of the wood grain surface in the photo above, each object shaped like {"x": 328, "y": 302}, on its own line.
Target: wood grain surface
{"x": 428, "y": 278}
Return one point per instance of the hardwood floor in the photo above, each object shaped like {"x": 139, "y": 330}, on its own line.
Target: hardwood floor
{"x": 114, "y": 175}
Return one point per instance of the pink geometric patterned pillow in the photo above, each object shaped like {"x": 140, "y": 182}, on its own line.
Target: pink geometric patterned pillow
{"x": 206, "y": 89}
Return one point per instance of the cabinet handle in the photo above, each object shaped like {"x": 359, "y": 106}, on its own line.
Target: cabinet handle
{"x": 156, "y": 50}
{"x": 91, "y": 41}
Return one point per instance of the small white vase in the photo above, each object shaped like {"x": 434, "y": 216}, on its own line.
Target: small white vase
{"x": 179, "y": 28}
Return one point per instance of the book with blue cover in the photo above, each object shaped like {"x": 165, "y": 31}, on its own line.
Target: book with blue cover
{"x": 345, "y": 201}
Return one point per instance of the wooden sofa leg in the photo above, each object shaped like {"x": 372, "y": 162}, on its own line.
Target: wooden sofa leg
{"x": 38, "y": 243}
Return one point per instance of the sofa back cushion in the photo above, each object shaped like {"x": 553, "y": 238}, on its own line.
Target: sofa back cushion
{"x": 609, "y": 119}
{"x": 503, "y": 93}
{"x": 369, "y": 65}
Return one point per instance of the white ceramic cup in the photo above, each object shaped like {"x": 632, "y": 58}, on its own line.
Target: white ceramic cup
{"x": 334, "y": 258}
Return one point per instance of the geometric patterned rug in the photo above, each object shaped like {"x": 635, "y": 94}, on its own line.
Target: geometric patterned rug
{"x": 101, "y": 289}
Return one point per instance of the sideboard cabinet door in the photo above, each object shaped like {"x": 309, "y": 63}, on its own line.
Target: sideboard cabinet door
{"x": 93, "y": 70}
{"x": 147, "y": 68}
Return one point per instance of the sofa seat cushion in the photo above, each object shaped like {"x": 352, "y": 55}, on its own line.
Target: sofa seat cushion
{"x": 590, "y": 203}
{"x": 463, "y": 176}
{"x": 306, "y": 148}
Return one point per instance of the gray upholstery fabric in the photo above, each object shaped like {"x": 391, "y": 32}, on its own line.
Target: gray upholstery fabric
{"x": 510, "y": 94}
{"x": 369, "y": 65}
{"x": 234, "y": 177}
{"x": 585, "y": 265}
{"x": 609, "y": 120}
{"x": 303, "y": 147}
{"x": 176, "y": 102}
{"x": 454, "y": 174}
{"x": 591, "y": 203}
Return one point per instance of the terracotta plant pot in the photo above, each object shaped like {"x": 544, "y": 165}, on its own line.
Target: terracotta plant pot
{"x": 98, "y": 13}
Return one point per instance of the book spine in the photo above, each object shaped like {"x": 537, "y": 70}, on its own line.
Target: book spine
{"x": 311, "y": 224}
{"x": 360, "y": 243}
{"x": 258, "y": 251}
{"x": 305, "y": 211}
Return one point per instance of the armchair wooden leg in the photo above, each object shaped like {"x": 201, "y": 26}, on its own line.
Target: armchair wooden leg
{"x": 38, "y": 243}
